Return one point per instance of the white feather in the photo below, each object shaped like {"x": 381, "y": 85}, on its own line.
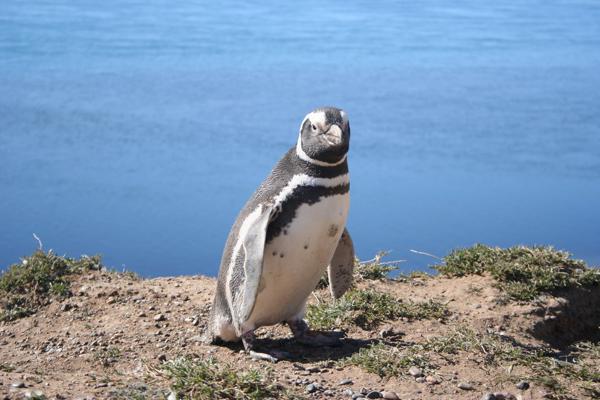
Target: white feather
{"x": 307, "y": 180}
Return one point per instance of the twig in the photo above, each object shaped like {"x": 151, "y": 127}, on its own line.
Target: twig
{"x": 317, "y": 298}
{"x": 40, "y": 244}
{"x": 425, "y": 254}
{"x": 392, "y": 262}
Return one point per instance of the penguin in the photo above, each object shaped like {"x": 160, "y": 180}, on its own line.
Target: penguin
{"x": 290, "y": 231}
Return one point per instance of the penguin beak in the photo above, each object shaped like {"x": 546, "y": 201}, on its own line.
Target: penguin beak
{"x": 333, "y": 135}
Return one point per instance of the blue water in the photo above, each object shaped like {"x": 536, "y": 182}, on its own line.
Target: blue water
{"x": 137, "y": 129}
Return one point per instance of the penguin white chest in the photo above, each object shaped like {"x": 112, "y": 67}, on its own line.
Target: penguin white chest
{"x": 295, "y": 260}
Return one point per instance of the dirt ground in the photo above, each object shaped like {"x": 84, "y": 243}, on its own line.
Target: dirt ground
{"x": 110, "y": 337}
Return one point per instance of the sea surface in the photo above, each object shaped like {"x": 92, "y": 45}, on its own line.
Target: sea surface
{"x": 138, "y": 129}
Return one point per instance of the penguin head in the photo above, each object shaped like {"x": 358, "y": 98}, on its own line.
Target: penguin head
{"x": 324, "y": 136}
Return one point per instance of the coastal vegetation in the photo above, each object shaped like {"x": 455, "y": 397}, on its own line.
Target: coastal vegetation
{"x": 496, "y": 322}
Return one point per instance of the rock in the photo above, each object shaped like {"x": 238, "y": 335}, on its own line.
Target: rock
{"x": 160, "y": 317}
{"x": 18, "y": 385}
{"x": 420, "y": 379}
{"x": 364, "y": 391}
{"x": 172, "y": 396}
{"x": 66, "y": 307}
{"x": 504, "y": 396}
{"x": 346, "y": 382}
{"x": 142, "y": 315}
{"x": 389, "y": 332}
{"x": 390, "y": 395}
{"x": 465, "y": 386}
{"x": 313, "y": 369}
{"x": 328, "y": 392}
{"x": 348, "y": 392}
{"x": 415, "y": 371}
{"x": 357, "y": 396}
{"x": 374, "y": 395}
{"x": 35, "y": 395}
{"x": 311, "y": 388}
{"x": 523, "y": 385}
{"x": 432, "y": 380}
{"x": 488, "y": 396}
{"x": 162, "y": 358}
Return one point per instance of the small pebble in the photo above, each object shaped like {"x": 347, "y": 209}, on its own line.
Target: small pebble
{"x": 18, "y": 385}
{"x": 432, "y": 380}
{"x": 504, "y": 396}
{"x": 390, "y": 395}
{"x": 364, "y": 391}
{"x": 420, "y": 379}
{"x": 465, "y": 386}
{"x": 35, "y": 394}
{"x": 311, "y": 388}
{"x": 160, "y": 317}
{"x": 488, "y": 396}
{"x": 348, "y": 392}
{"x": 523, "y": 385}
{"x": 374, "y": 395}
{"x": 356, "y": 396}
{"x": 162, "y": 358}
{"x": 346, "y": 382}
{"x": 415, "y": 371}
{"x": 328, "y": 392}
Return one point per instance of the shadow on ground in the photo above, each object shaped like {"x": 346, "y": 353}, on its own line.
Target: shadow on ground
{"x": 573, "y": 317}
{"x": 302, "y": 353}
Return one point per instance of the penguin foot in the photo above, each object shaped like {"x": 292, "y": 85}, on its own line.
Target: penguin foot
{"x": 304, "y": 335}
{"x": 273, "y": 356}
{"x": 249, "y": 341}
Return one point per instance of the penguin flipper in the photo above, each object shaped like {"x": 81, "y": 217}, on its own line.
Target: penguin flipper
{"x": 253, "y": 243}
{"x": 341, "y": 267}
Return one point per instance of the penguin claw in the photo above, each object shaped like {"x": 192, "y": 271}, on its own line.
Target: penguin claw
{"x": 274, "y": 357}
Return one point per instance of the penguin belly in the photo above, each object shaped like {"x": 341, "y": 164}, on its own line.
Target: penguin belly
{"x": 295, "y": 260}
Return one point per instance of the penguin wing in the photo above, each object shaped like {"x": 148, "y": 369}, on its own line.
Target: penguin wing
{"x": 341, "y": 267}
{"x": 253, "y": 243}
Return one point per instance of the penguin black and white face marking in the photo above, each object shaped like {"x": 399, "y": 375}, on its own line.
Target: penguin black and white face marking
{"x": 324, "y": 137}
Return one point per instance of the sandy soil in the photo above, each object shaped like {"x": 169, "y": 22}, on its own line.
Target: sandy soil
{"x": 108, "y": 339}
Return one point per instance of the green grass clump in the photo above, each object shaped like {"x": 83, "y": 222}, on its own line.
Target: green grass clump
{"x": 31, "y": 284}
{"x": 368, "y": 308}
{"x": 492, "y": 347}
{"x": 107, "y": 356}
{"x": 374, "y": 269}
{"x": 196, "y": 379}
{"x": 387, "y": 361}
{"x": 541, "y": 365}
{"x": 6, "y": 367}
{"x": 522, "y": 272}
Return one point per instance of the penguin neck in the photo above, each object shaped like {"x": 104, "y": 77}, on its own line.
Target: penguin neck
{"x": 302, "y": 166}
{"x": 305, "y": 157}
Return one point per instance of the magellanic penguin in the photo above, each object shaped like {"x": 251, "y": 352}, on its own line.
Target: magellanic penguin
{"x": 287, "y": 234}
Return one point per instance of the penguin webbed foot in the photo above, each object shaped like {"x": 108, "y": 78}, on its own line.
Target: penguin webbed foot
{"x": 305, "y": 336}
{"x": 249, "y": 342}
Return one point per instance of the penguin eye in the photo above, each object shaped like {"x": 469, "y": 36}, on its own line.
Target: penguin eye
{"x": 313, "y": 126}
